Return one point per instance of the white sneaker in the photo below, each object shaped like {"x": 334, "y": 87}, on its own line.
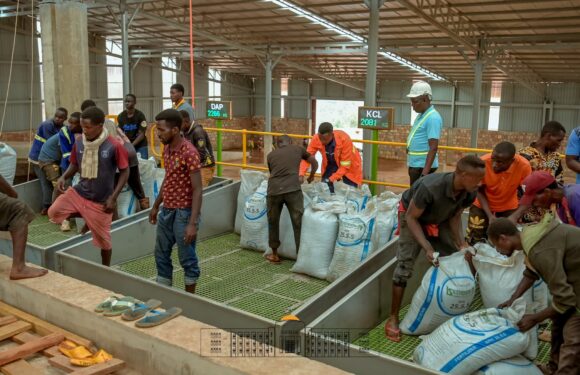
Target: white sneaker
{"x": 65, "y": 226}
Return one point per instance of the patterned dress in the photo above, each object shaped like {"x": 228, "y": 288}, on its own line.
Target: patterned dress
{"x": 550, "y": 162}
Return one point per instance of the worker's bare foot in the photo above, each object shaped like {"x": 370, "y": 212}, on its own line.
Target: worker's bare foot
{"x": 273, "y": 258}
{"x": 26, "y": 273}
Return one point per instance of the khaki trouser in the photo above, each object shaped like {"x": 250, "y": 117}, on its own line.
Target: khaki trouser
{"x": 206, "y": 176}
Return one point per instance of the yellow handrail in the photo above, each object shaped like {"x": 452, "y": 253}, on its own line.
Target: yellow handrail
{"x": 383, "y": 143}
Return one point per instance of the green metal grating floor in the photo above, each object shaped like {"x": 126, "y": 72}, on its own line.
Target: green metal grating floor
{"x": 375, "y": 339}
{"x": 43, "y": 233}
{"x": 239, "y": 278}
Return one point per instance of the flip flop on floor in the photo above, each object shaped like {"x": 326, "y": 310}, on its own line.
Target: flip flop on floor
{"x": 119, "y": 306}
{"x": 140, "y": 310}
{"x": 157, "y": 317}
{"x": 393, "y": 334}
{"x": 273, "y": 259}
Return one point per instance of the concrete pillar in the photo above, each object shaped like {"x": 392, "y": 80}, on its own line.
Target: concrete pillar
{"x": 125, "y": 45}
{"x": 478, "y": 67}
{"x": 370, "y": 152}
{"x": 269, "y": 66}
{"x": 65, "y": 50}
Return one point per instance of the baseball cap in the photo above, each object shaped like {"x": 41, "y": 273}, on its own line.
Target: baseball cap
{"x": 535, "y": 183}
{"x": 420, "y": 88}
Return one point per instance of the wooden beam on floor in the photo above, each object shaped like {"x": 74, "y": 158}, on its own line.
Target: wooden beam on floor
{"x": 29, "y": 348}
{"x": 13, "y": 329}
{"x": 105, "y": 368}
{"x": 25, "y": 337}
{"x": 21, "y": 368}
{"x": 62, "y": 363}
{"x": 42, "y": 327}
{"x": 7, "y": 320}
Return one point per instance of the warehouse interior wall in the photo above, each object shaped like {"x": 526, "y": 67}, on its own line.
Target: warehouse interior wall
{"x": 25, "y": 85}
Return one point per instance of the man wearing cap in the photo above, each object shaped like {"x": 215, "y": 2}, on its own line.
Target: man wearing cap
{"x": 542, "y": 191}
{"x": 423, "y": 139}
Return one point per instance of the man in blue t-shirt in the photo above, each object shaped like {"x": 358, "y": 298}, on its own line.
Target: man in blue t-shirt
{"x": 46, "y": 130}
{"x": 423, "y": 139}
{"x": 573, "y": 153}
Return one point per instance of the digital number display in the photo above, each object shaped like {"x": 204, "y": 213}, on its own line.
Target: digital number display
{"x": 375, "y": 118}
{"x": 219, "y": 110}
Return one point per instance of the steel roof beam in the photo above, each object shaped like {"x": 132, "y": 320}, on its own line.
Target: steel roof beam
{"x": 249, "y": 49}
{"x": 459, "y": 28}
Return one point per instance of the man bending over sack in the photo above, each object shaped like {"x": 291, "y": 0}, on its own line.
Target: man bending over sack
{"x": 96, "y": 156}
{"x": 430, "y": 220}
{"x": 553, "y": 253}
{"x": 15, "y": 217}
{"x": 284, "y": 189}
{"x": 498, "y": 194}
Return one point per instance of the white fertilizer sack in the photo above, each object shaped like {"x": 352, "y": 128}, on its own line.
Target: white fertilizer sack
{"x": 318, "y": 238}
{"x": 445, "y": 291}
{"x": 517, "y": 365}
{"x": 255, "y": 220}
{"x": 466, "y": 343}
{"x": 353, "y": 244}
{"x": 250, "y": 180}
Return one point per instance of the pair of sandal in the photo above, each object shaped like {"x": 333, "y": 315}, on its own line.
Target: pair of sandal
{"x": 132, "y": 309}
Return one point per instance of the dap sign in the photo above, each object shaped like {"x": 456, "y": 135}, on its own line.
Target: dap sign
{"x": 219, "y": 110}
{"x": 376, "y": 118}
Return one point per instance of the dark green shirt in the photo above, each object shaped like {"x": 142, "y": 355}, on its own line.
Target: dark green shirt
{"x": 434, "y": 194}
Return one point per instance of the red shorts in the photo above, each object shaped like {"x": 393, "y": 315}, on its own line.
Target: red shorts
{"x": 93, "y": 213}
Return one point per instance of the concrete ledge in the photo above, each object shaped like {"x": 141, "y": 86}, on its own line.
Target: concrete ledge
{"x": 175, "y": 347}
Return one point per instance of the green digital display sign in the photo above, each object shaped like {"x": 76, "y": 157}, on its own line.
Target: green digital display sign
{"x": 219, "y": 110}
{"x": 376, "y": 118}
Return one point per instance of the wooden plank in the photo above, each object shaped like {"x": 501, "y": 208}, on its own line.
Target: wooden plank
{"x": 7, "y": 320}
{"x": 29, "y": 348}
{"x": 105, "y": 368}
{"x": 25, "y": 337}
{"x": 21, "y": 368}
{"x": 62, "y": 363}
{"x": 12, "y": 329}
{"x": 42, "y": 327}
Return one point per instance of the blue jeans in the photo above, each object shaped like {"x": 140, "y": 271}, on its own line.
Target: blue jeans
{"x": 144, "y": 151}
{"x": 171, "y": 224}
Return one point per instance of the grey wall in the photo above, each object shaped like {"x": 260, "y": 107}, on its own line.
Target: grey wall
{"x": 98, "y": 72}
{"x": 18, "y": 109}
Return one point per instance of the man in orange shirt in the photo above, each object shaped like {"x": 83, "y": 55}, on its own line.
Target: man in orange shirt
{"x": 497, "y": 196}
{"x": 340, "y": 159}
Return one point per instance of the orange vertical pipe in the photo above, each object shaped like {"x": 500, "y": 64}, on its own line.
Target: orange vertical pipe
{"x": 191, "y": 68}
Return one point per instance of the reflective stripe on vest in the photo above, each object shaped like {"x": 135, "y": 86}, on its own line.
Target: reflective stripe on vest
{"x": 412, "y": 134}
{"x": 39, "y": 138}
{"x": 65, "y": 132}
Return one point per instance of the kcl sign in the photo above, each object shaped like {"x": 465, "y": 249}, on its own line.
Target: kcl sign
{"x": 219, "y": 110}
{"x": 376, "y": 118}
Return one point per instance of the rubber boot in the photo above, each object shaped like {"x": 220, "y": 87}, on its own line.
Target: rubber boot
{"x": 144, "y": 203}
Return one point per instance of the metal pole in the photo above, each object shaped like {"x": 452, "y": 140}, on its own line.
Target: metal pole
{"x": 371, "y": 152}
{"x": 478, "y": 67}
{"x": 268, "y": 110}
{"x": 219, "y": 142}
{"x": 125, "y": 42}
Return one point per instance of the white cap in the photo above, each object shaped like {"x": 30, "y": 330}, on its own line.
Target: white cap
{"x": 420, "y": 88}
